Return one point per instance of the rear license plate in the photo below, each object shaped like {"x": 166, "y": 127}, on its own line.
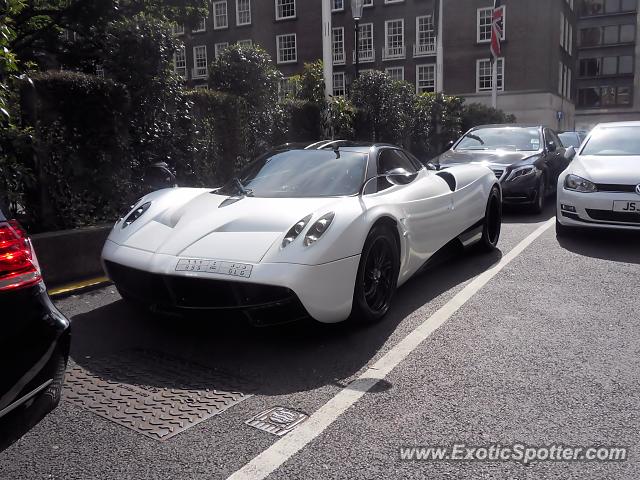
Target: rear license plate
{"x": 627, "y": 207}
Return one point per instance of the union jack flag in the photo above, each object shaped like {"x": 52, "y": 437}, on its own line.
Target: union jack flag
{"x": 497, "y": 28}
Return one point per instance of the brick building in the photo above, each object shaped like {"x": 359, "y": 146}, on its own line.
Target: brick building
{"x": 556, "y": 53}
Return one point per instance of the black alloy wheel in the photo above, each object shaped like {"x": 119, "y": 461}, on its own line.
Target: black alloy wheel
{"x": 492, "y": 222}
{"x": 377, "y": 276}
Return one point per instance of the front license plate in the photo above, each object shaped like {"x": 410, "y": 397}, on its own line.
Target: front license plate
{"x": 214, "y": 266}
{"x": 627, "y": 207}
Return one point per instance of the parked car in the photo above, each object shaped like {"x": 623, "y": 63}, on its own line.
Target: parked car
{"x": 572, "y": 139}
{"x": 324, "y": 232}
{"x": 34, "y": 337}
{"x": 526, "y": 159}
{"x": 601, "y": 187}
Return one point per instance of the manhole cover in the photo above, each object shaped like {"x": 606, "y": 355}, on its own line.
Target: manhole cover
{"x": 277, "y": 420}
{"x": 152, "y": 393}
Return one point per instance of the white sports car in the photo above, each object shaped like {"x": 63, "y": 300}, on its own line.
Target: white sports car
{"x": 328, "y": 232}
{"x": 601, "y": 186}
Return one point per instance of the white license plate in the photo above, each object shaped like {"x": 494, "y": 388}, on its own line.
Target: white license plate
{"x": 627, "y": 207}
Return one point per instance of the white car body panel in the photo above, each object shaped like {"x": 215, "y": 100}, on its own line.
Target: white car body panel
{"x": 609, "y": 170}
{"x": 189, "y": 223}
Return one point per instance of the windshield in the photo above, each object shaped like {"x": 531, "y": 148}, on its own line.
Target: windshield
{"x": 501, "y": 138}
{"x": 613, "y": 141}
{"x": 570, "y": 139}
{"x": 301, "y": 174}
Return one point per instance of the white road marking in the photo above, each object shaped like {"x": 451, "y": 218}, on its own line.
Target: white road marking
{"x": 282, "y": 450}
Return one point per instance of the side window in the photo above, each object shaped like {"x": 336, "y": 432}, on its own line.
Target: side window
{"x": 390, "y": 159}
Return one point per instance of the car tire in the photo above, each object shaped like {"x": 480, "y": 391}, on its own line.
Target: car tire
{"x": 562, "y": 230}
{"x": 541, "y": 196}
{"x": 377, "y": 276}
{"x": 492, "y": 222}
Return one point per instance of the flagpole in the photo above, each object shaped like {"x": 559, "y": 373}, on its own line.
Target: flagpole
{"x": 494, "y": 82}
{"x": 327, "y": 57}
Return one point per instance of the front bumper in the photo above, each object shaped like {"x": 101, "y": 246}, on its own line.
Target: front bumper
{"x": 521, "y": 190}
{"x": 595, "y": 210}
{"x": 325, "y": 292}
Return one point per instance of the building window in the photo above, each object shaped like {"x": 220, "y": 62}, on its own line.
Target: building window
{"x": 484, "y": 24}
{"x": 243, "y": 12}
{"x": 201, "y": 26}
{"x": 425, "y": 36}
{"x": 177, "y": 28}
{"x": 596, "y": 97}
{"x": 245, "y": 43}
{"x": 396, "y": 73}
{"x": 394, "y": 39}
{"x": 285, "y": 9}
{"x": 180, "y": 62}
{"x": 603, "y": 66}
{"x": 426, "y": 78}
{"x": 608, "y": 35}
{"x": 100, "y": 70}
{"x": 365, "y": 43}
{"x": 564, "y": 84}
{"x": 393, "y": 1}
{"x": 337, "y": 45}
{"x": 484, "y": 75}
{"x": 200, "y": 61}
{"x": 367, "y": 3}
{"x": 339, "y": 89}
{"x": 220, "y": 19}
{"x": 337, "y": 5}
{"x": 286, "y": 88}
{"x": 218, "y": 48}
{"x": 602, "y": 7}
{"x": 287, "y": 48}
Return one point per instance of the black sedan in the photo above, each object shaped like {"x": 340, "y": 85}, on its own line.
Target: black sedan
{"x": 34, "y": 337}
{"x": 527, "y": 159}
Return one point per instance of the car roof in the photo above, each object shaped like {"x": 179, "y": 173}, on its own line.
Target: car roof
{"x": 634, "y": 123}
{"x": 509, "y": 125}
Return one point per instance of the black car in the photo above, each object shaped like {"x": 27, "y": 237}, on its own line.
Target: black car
{"x": 572, "y": 139}
{"x": 34, "y": 337}
{"x": 526, "y": 158}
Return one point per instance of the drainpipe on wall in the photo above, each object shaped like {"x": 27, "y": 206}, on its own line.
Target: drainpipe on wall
{"x": 327, "y": 57}
{"x": 439, "y": 50}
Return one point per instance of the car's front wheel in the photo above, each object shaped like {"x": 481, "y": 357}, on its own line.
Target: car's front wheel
{"x": 377, "y": 276}
{"x": 541, "y": 196}
{"x": 492, "y": 222}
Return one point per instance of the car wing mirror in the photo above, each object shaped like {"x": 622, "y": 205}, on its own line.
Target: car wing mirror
{"x": 569, "y": 153}
{"x": 397, "y": 176}
{"x": 158, "y": 176}
{"x": 433, "y": 166}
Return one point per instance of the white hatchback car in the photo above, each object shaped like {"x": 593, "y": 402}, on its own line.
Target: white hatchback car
{"x": 601, "y": 186}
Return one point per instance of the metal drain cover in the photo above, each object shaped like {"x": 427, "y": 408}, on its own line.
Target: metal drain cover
{"x": 152, "y": 393}
{"x": 277, "y": 420}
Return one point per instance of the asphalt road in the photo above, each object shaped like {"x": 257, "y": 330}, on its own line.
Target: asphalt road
{"x": 547, "y": 352}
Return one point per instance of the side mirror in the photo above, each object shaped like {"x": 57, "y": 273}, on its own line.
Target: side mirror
{"x": 433, "y": 166}
{"x": 399, "y": 176}
{"x": 158, "y": 176}
{"x": 569, "y": 153}
{"x": 551, "y": 146}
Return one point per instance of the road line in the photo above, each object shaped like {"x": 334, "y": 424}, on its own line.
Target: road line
{"x": 77, "y": 286}
{"x": 282, "y": 450}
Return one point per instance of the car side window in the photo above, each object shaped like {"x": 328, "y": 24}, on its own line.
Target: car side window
{"x": 390, "y": 159}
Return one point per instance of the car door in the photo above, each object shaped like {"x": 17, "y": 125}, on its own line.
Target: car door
{"x": 555, "y": 159}
{"x": 426, "y": 203}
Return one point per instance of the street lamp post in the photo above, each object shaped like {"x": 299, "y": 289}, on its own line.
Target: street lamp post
{"x": 356, "y": 10}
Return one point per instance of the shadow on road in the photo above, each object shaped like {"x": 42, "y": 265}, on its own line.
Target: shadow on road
{"x": 518, "y": 214}
{"x": 277, "y": 360}
{"x": 613, "y": 245}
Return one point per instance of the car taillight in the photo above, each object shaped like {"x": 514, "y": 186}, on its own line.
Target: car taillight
{"x": 18, "y": 263}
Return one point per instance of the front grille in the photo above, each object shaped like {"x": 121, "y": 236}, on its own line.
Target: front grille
{"x": 611, "y": 216}
{"x": 172, "y": 291}
{"x": 498, "y": 173}
{"x": 613, "y": 187}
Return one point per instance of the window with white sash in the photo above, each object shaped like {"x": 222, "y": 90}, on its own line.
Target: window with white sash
{"x": 426, "y": 78}
{"x": 484, "y": 75}
{"x": 200, "y": 61}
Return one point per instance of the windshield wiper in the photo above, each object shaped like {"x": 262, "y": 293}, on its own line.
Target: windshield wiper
{"x": 244, "y": 191}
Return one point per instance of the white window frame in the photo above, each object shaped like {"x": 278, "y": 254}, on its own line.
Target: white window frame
{"x": 182, "y": 69}
{"x": 219, "y": 47}
{"x": 401, "y": 68}
{"x": 504, "y": 23}
{"x": 386, "y": 2}
{"x": 334, "y": 9}
{"x": 367, "y": 3}
{"x": 562, "y": 35}
{"x": 201, "y": 26}
{"x": 295, "y": 9}
{"x": 290, "y": 92}
{"x": 399, "y": 51}
{"x": 501, "y": 73}
{"x": 238, "y": 11}
{"x": 197, "y": 71}
{"x": 344, "y": 85}
{"x": 431, "y": 66}
{"x": 177, "y": 28}
{"x": 338, "y": 55}
{"x": 216, "y": 25}
{"x": 279, "y": 57}
{"x": 245, "y": 42}
{"x": 370, "y": 52}
{"x": 420, "y": 48}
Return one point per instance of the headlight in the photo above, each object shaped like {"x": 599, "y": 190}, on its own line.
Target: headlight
{"x": 136, "y": 214}
{"x": 579, "y": 184}
{"x": 521, "y": 172}
{"x": 318, "y": 229}
{"x": 296, "y": 230}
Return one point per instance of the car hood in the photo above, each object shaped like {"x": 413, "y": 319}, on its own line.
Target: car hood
{"x": 623, "y": 170}
{"x": 452, "y": 157}
{"x": 215, "y": 226}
